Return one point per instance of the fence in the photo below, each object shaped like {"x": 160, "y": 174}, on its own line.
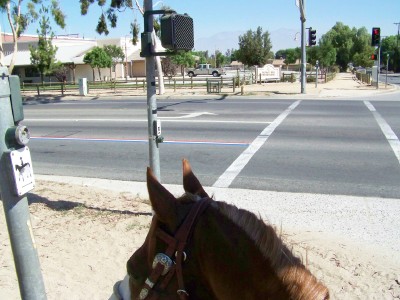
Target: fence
{"x": 226, "y": 85}
{"x": 200, "y": 82}
{"x": 322, "y": 77}
{"x": 73, "y": 88}
{"x": 363, "y": 77}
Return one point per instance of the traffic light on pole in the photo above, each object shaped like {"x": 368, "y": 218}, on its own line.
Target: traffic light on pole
{"x": 312, "y": 36}
{"x": 374, "y": 57}
{"x": 376, "y": 36}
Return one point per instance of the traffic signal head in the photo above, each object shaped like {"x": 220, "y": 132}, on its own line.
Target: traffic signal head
{"x": 177, "y": 32}
{"x": 376, "y": 36}
{"x": 374, "y": 57}
{"x": 312, "y": 36}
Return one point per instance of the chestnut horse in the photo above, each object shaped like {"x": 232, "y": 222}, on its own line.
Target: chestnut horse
{"x": 198, "y": 248}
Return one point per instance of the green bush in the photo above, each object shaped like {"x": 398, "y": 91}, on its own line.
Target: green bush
{"x": 310, "y": 78}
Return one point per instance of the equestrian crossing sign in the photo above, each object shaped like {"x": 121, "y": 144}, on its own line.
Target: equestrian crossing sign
{"x": 22, "y": 171}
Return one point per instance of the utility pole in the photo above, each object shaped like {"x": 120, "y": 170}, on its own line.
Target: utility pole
{"x": 154, "y": 127}
{"x": 398, "y": 32}
{"x": 16, "y": 180}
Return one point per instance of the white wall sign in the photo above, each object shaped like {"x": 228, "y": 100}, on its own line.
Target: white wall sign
{"x": 269, "y": 73}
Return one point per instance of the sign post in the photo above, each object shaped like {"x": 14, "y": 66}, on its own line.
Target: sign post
{"x": 16, "y": 179}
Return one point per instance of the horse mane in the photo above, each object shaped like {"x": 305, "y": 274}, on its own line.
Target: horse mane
{"x": 263, "y": 235}
{"x": 286, "y": 265}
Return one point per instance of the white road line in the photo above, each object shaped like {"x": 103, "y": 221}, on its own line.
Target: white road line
{"x": 186, "y": 116}
{"x": 226, "y": 179}
{"x": 386, "y": 129}
{"x": 145, "y": 121}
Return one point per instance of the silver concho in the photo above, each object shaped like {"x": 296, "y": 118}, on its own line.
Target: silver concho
{"x": 143, "y": 294}
{"x": 164, "y": 260}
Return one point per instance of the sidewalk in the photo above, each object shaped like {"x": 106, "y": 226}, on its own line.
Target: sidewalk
{"x": 360, "y": 220}
{"x": 343, "y": 85}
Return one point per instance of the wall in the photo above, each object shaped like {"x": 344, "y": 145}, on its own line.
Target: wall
{"x": 139, "y": 68}
{"x": 85, "y": 71}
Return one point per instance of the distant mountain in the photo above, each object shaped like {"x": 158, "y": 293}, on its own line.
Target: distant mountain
{"x": 282, "y": 38}
{"x": 221, "y": 41}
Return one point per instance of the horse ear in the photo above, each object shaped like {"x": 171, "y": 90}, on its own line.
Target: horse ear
{"x": 190, "y": 182}
{"x": 162, "y": 201}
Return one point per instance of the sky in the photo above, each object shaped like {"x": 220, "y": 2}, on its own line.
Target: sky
{"x": 218, "y": 23}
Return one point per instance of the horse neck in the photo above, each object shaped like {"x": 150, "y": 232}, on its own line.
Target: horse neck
{"x": 233, "y": 267}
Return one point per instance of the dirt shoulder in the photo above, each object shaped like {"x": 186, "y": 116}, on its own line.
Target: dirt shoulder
{"x": 84, "y": 236}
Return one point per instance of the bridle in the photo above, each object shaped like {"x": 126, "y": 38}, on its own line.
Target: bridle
{"x": 164, "y": 268}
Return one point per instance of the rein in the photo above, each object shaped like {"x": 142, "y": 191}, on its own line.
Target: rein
{"x": 164, "y": 268}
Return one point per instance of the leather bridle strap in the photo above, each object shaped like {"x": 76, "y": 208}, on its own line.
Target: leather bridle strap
{"x": 176, "y": 244}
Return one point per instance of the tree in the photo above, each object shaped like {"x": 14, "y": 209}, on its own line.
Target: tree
{"x": 312, "y": 55}
{"x": 43, "y": 57}
{"x": 326, "y": 55}
{"x": 230, "y": 55}
{"x": 169, "y": 67}
{"x": 254, "y": 47}
{"x": 97, "y": 58}
{"x": 291, "y": 55}
{"x": 348, "y": 45}
{"x": 280, "y": 53}
{"x": 362, "y": 49}
{"x": 61, "y": 73}
{"x": 340, "y": 37}
{"x": 389, "y": 47}
{"x": 116, "y": 6}
{"x": 116, "y": 53}
{"x": 220, "y": 59}
{"x": 19, "y": 21}
{"x": 184, "y": 60}
{"x": 202, "y": 55}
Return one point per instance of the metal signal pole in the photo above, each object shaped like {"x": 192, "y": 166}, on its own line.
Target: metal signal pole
{"x": 154, "y": 153}
{"x": 301, "y": 5}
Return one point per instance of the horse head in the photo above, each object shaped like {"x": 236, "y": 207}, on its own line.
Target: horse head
{"x": 198, "y": 248}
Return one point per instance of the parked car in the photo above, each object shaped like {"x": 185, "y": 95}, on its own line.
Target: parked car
{"x": 205, "y": 69}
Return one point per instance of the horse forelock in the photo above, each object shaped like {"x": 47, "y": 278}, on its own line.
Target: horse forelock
{"x": 298, "y": 280}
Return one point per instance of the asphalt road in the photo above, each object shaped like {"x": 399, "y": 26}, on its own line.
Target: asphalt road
{"x": 391, "y": 78}
{"x": 314, "y": 146}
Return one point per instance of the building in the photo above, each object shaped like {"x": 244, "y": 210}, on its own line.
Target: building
{"x": 71, "y": 51}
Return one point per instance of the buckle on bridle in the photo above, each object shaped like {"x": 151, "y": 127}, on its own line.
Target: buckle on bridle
{"x": 164, "y": 260}
{"x": 180, "y": 292}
